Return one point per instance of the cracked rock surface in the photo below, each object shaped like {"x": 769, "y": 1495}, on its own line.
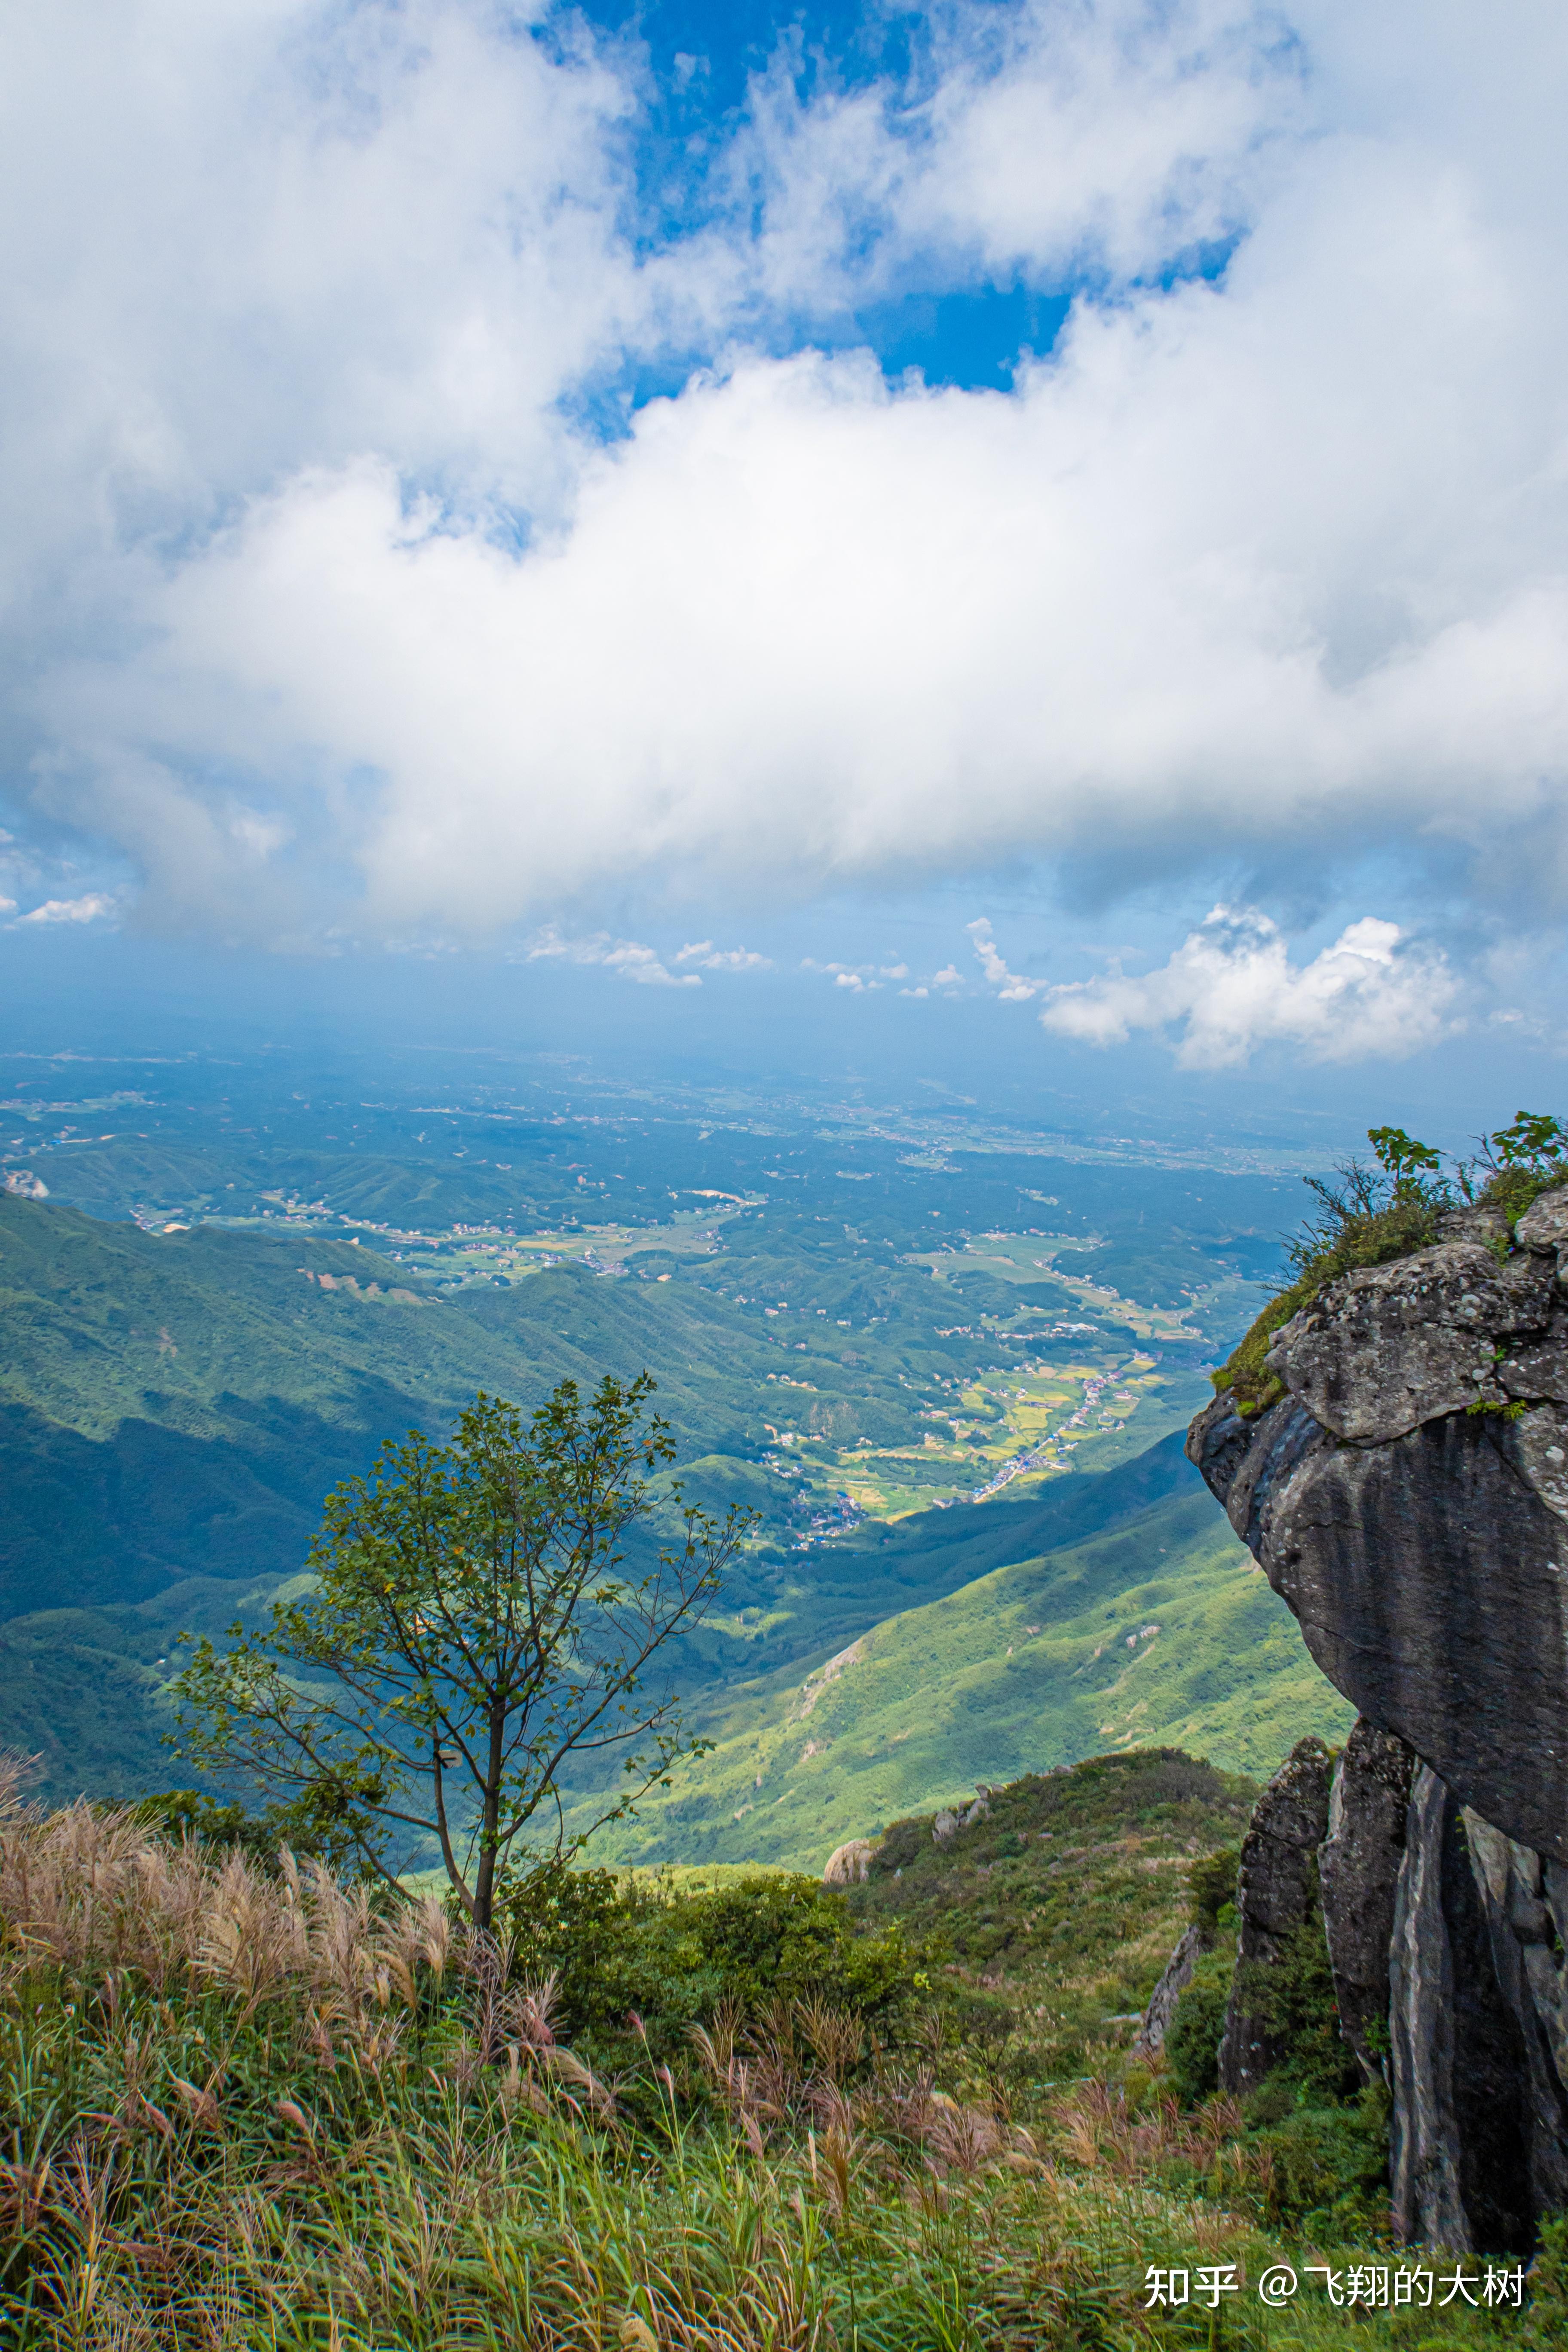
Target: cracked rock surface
{"x": 1275, "y": 1895}
{"x": 1408, "y": 1498}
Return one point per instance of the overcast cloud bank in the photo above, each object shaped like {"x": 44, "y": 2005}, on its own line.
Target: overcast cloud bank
{"x": 327, "y": 610}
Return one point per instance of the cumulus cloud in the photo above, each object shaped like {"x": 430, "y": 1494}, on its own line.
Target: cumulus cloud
{"x": 91, "y": 908}
{"x": 630, "y": 958}
{"x": 857, "y": 977}
{"x": 1010, "y": 986}
{"x": 1230, "y": 988}
{"x": 712, "y": 958}
{"x": 323, "y": 598}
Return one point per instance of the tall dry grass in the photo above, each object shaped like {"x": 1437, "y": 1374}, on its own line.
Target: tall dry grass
{"x": 244, "y": 2109}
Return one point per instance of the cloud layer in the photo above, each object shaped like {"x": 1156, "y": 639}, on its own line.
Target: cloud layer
{"x": 332, "y": 607}
{"x": 1231, "y": 988}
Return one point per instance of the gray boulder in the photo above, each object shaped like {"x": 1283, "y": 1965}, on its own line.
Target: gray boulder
{"x": 1359, "y": 1867}
{"x": 1150, "y": 2038}
{"x": 1277, "y": 1895}
{"x": 1408, "y": 1498}
{"x": 1461, "y": 2142}
{"x": 849, "y": 1864}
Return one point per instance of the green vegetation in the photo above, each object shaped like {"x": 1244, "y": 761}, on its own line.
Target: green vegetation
{"x": 634, "y": 1962}
{"x": 1370, "y": 1216}
{"x": 1057, "y": 1907}
{"x": 1163, "y": 1629}
{"x": 472, "y": 1630}
{"x": 251, "y": 2107}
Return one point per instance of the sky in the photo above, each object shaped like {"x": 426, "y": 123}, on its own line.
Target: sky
{"x": 1052, "y": 509}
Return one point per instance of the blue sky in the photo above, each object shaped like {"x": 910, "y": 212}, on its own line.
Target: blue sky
{"x": 1050, "y": 509}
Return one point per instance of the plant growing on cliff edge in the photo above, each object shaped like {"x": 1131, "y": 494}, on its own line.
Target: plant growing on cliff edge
{"x": 472, "y": 1630}
{"x": 1517, "y": 1162}
{"x": 1367, "y": 1216}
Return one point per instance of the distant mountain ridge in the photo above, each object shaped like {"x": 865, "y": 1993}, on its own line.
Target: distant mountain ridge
{"x": 173, "y": 1407}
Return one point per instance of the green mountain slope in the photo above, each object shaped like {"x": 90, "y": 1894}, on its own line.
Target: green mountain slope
{"x": 1060, "y": 1906}
{"x": 178, "y": 1405}
{"x": 173, "y": 1407}
{"x": 1160, "y": 1631}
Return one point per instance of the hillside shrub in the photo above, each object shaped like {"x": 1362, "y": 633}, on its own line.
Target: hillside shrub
{"x": 636, "y": 1966}
{"x": 1192, "y": 2044}
{"x": 1326, "y": 2166}
{"x": 1211, "y": 1892}
{"x": 1293, "y": 1999}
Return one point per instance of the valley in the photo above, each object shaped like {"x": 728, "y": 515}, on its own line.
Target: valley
{"x": 937, "y": 1359}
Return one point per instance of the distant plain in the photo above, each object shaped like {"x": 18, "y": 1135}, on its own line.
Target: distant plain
{"x": 935, "y": 1353}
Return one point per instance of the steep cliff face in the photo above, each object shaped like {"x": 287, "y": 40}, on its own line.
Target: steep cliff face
{"x": 1407, "y": 1496}
{"x": 1276, "y": 1895}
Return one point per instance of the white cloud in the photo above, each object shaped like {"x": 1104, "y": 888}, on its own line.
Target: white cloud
{"x": 1011, "y": 988}
{"x": 712, "y": 958}
{"x": 1267, "y": 570}
{"x": 628, "y": 957}
{"x": 1231, "y": 988}
{"x": 91, "y": 908}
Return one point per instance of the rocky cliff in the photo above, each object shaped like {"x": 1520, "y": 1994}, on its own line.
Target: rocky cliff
{"x": 1407, "y": 1495}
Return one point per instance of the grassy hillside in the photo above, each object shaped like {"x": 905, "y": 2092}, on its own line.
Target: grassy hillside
{"x": 1161, "y": 1630}
{"x": 254, "y": 2108}
{"x": 1063, "y": 1901}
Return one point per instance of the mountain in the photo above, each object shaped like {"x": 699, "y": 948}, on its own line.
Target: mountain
{"x": 1159, "y": 1630}
{"x": 174, "y": 1403}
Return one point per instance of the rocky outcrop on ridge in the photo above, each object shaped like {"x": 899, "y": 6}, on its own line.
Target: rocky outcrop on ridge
{"x": 1276, "y": 1897}
{"x": 1359, "y": 1865}
{"x": 1174, "y": 1978}
{"x": 849, "y": 1864}
{"x": 1407, "y": 1496}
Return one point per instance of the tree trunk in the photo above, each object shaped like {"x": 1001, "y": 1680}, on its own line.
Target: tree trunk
{"x": 485, "y": 1881}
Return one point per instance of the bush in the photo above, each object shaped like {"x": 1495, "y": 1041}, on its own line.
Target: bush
{"x": 622, "y": 1951}
{"x": 1327, "y": 2166}
{"x": 1211, "y": 1891}
{"x": 1192, "y": 2045}
{"x": 1293, "y": 1999}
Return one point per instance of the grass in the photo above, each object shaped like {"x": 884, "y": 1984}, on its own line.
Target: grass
{"x": 253, "y": 2110}
{"x": 1160, "y": 1631}
{"x": 1058, "y": 1907}
{"x": 1372, "y": 1216}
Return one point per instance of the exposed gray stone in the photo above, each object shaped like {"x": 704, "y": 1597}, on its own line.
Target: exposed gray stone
{"x": 1525, "y": 1902}
{"x": 1469, "y": 1221}
{"x": 1390, "y": 1347}
{"x": 1150, "y": 2038}
{"x": 1460, "y": 2155}
{"x": 1535, "y": 1371}
{"x": 849, "y": 1864}
{"x": 1277, "y": 1893}
{"x": 1408, "y": 1498}
{"x": 1544, "y": 1225}
{"x": 1429, "y": 1576}
{"x": 1359, "y": 1868}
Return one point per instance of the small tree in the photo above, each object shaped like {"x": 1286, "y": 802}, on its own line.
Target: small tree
{"x": 474, "y": 1629}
